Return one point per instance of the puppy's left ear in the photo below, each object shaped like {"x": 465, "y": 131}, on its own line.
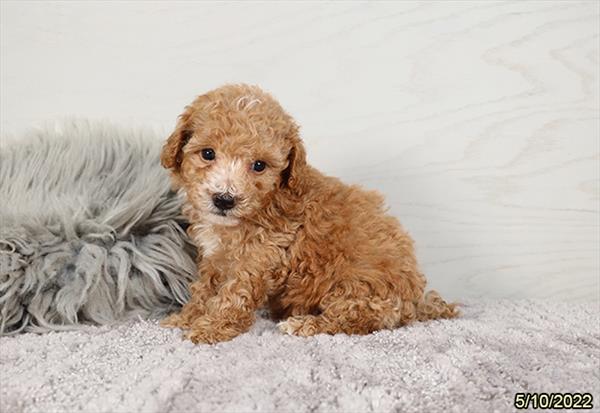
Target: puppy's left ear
{"x": 172, "y": 152}
{"x": 291, "y": 176}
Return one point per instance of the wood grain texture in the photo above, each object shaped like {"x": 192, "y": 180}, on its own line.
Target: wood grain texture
{"x": 478, "y": 120}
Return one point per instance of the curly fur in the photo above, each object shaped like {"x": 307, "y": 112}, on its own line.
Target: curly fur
{"x": 322, "y": 256}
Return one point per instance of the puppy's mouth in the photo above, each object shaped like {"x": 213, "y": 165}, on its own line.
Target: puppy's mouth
{"x": 220, "y": 217}
{"x": 226, "y": 213}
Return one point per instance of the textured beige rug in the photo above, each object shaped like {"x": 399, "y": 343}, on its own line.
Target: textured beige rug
{"x": 476, "y": 363}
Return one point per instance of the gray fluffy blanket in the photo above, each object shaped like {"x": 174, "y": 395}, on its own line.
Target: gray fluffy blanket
{"x": 475, "y": 363}
{"x": 89, "y": 229}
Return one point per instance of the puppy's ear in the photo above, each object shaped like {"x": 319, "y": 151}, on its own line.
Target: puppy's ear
{"x": 291, "y": 176}
{"x": 172, "y": 152}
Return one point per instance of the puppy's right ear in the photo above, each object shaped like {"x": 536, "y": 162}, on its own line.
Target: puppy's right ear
{"x": 172, "y": 152}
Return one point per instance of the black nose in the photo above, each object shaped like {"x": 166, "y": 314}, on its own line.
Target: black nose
{"x": 223, "y": 201}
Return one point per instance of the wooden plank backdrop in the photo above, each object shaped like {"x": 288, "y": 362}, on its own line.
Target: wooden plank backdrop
{"x": 478, "y": 120}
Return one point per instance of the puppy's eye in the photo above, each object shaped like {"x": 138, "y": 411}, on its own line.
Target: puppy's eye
{"x": 208, "y": 154}
{"x": 259, "y": 166}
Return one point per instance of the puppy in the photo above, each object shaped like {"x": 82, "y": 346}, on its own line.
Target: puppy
{"x": 274, "y": 232}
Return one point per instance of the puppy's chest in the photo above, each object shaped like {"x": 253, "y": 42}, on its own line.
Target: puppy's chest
{"x": 206, "y": 238}
{"x": 227, "y": 247}
{"x": 220, "y": 243}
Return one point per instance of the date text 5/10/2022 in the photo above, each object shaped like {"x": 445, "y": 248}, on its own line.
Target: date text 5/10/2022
{"x": 553, "y": 400}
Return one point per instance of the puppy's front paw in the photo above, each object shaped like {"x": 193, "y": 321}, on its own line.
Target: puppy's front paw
{"x": 304, "y": 325}
{"x": 200, "y": 336}
{"x": 211, "y": 330}
{"x": 174, "y": 321}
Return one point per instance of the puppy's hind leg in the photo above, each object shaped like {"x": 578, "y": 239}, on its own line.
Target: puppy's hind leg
{"x": 432, "y": 306}
{"x": 351, "y": 316}
{"x": 365, "y": 315}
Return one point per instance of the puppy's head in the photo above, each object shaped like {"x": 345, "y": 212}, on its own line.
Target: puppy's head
{"x": 232, "y": 150}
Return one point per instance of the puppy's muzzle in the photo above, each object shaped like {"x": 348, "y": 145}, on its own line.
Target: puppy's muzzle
{"x": 223, "y": 202}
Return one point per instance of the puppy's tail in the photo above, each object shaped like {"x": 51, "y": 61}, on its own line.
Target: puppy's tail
{"x": 432, "y": 307}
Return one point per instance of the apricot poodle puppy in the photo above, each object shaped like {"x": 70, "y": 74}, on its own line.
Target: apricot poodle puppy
{"x": 274, "y": 232}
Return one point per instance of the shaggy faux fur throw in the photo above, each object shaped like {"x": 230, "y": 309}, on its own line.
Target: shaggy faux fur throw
{"x": 475, "y": 363}
{"x": 89, "y": 229}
